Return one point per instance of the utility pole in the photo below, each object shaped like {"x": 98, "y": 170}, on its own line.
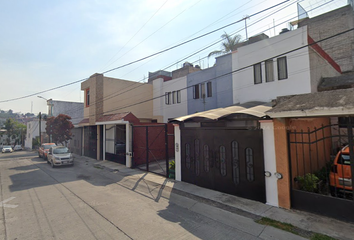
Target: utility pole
{"x": 40, "y": 134}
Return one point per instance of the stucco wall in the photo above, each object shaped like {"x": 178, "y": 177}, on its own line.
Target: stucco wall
{"x": 127, "y": 96}
{"x": 298, "y": 66}
{"x": 33, "y": 132}
{"x": 73, "y": 109}
{"x": 110, "y": 96}
{"x": 161, "y": 111}
{"x": 221, "y": 79}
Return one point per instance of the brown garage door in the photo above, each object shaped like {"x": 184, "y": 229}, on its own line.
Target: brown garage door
{"x": 226, "y": 160}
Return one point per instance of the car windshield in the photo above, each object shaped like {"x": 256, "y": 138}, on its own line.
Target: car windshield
{"x": 61, "y": 150}
{"x": 7, "y": 146}
{"x": 48, "y": 146}
{"x": 344, "y": 159}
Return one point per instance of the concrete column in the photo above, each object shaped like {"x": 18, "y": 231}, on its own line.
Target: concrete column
{"x": 282, "y": 162}
{"x": 83, "y": 142}
{"x": 98, "y": 136}
{"x": 104, "y": 143}
{"x": 270, "y": 167}
{"x": 128, "y": 145}
{"x": 178, "y": 161}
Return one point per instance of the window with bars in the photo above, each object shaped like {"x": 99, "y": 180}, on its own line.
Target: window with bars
{"x": 282, "y": 68}
{"x": 209, "y": 89}
{"x": 178, "y": 96}
{"x": 257, "y": 73}
{"x": 196, "y": 91}
{"x": 269, "y": 70}
{"x": 168, "y": 98}
{"x": 202, "y": 90}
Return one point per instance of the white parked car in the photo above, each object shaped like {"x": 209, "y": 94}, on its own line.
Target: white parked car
{"x": 7, "y": 148}
{"x": 60, "y": 156}
{"x": 18, "y": 148}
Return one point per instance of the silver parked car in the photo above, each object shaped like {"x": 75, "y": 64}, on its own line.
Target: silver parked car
{"x": 60, "y": 156}
{"x": 6, "y": 149}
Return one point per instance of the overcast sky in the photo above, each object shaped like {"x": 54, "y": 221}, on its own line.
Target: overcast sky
{"x": 46, "y": 44}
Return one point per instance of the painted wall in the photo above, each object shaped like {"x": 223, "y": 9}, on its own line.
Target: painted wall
{"x": 33, "y": 132}
{"x": 162, "y": 111}
{"x": 298, "y": 81}
{"x": 127, "y": 96}
{"x": 110, "y": 96}
{"x": 221, "y": 79}
{"x": 74, "y": 109}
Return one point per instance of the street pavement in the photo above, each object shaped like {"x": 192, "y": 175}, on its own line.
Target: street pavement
{"x": 103, "y": 200}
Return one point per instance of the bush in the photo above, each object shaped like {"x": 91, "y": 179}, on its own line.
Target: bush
{"x": 308, "y": 182}
{"x": 35, "y": 143}
{"x": 172, "y": 165}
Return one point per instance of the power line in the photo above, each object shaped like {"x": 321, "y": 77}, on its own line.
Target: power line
{"x": 122, "y": 92}
{"x": 144, "y": 58}
{"x": 237, "y": 70}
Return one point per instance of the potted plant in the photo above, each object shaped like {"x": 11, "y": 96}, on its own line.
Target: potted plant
{"x": 172, "y": 170}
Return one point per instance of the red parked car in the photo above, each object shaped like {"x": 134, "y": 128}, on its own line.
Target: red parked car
{"x": 44, "y": 149}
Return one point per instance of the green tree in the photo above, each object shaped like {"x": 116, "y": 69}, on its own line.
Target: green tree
{"x": 59, "y": 128}
{"x": 15, "y": 130}
{"x": 229, "y": 44}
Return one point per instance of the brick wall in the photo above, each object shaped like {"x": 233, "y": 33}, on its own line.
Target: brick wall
{"x": 339, "y": 48}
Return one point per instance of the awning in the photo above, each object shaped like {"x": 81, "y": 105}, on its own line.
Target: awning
{"x": 84, "y": 122}
{"x": 328, "y": 103}
{"x": 256, "y": 109}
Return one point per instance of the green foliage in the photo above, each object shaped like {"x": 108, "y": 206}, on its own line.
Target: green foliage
{"x": 14, "y": 130}
{"x": 172, "y": 165}
{"x": 308, "y": 182}
{"x": 229, "y": 44}
{"x": 35, "y": 143}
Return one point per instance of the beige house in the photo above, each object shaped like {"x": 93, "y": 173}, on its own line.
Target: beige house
{"x": 111, "y": 106}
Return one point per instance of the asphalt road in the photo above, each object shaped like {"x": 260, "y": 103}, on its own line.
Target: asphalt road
{"x": 86, "y": 202}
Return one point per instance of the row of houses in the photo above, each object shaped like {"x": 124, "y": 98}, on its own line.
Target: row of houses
{"x": 262, "y": 118}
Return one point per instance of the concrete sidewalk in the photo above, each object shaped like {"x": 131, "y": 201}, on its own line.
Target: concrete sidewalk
{"x": 306, "y": 222}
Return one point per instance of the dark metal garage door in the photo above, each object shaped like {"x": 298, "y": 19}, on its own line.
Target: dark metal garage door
{"x": 224, "y": 159}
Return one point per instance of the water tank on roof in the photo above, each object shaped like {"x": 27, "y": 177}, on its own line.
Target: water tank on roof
{"x": 187, "y": 64}
{"x": 284, "y": 30}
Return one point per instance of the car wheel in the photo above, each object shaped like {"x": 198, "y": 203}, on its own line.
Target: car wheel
{"x": 52, "y": 164}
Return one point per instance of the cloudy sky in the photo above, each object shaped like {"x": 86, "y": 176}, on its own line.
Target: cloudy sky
{"x": 47, "y": 44}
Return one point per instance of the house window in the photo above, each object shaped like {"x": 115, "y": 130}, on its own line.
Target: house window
{"x": 209, "y": 90}
{"x": 269, "y": 70}
{"x": 167, "y": 98}
{"x": 202, "y": 90}
{"x": 257, "y": 72}
{"x": 87, "y": 97}
{"x": 178, "y": 96}
{"x": 282, "y": 68}
{"x": 174, "y": 97}
{"x": 196, "y": 91}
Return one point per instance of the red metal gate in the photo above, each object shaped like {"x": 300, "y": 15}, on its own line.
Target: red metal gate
{"x": 153, "y": 147}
